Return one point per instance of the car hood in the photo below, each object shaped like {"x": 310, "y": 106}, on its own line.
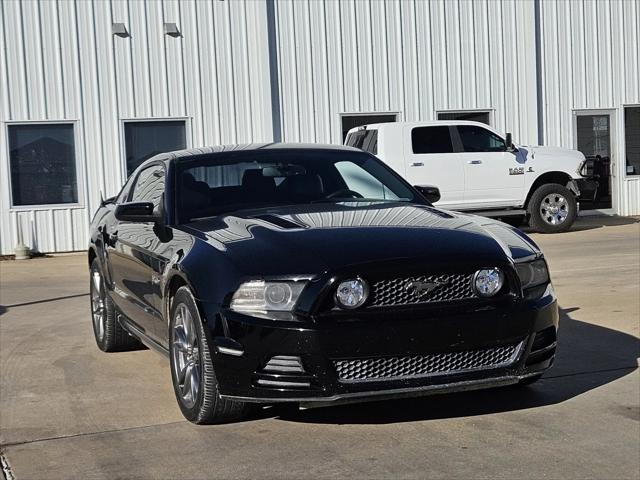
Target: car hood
{"x": 310, "y": 239}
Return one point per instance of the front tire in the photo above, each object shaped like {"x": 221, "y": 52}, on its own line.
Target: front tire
{"x": 192, "y": 374}
{"x": 109, "y": 334}
{"x": 552, "y": 209}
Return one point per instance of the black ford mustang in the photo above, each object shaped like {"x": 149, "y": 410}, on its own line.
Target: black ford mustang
{"x": 312, "y": 274}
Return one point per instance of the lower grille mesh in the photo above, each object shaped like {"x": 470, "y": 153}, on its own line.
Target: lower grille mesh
{"x": 386, "y": 368}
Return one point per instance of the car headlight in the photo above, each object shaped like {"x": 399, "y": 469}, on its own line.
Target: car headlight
{"x": 533, "y": 273}
{"x": 488, "y": 281}
{"x": 352, "y": 293}
{"x": 266, "y": 296}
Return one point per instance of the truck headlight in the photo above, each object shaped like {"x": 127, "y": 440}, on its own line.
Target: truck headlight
{"x": 488, "y": 281}
{"x": 533, "y": 273}
{"x": 266, "y": 296}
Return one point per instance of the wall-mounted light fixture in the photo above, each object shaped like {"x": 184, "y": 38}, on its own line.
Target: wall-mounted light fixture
{"x": 172, "y": 30}
{"x": 119, "y": 29}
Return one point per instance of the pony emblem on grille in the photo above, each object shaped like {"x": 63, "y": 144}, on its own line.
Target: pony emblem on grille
{"x": 422, "y": 289}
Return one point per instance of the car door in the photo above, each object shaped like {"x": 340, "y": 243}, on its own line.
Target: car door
{"x": 431, "y": 160}
{"x": 494, "y": 177}
{"x": 136, "y": 265}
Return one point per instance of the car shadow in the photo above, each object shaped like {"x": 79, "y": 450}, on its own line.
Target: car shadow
{"x": 594, "y": 222}
{"x": 589, "y": 356}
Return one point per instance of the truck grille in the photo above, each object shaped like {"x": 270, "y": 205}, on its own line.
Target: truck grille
{"x": 389, "y": 368}
{"x": 422, "y": 289}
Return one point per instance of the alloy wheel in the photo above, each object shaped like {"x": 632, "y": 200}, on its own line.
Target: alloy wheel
{"x": 554, "y": 209}
{"x": 186, "y": 356}
{"x": 97, "y": 305}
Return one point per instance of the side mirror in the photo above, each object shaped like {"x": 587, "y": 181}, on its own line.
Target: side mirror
{"x": 136, "y": 212}
{"x": 509, "y": 141}
{"x": 431, "y": 193}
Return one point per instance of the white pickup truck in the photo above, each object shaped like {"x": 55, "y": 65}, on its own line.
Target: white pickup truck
{"x": 478, "y": 169}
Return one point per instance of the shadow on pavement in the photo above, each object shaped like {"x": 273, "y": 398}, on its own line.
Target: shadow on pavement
{"x": 4, "y": 308}
{"x": 589, "y": 356}
{"x": 593, "y": 222}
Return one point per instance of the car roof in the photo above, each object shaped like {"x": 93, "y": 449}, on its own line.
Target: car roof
{"x": 190, "y": 153}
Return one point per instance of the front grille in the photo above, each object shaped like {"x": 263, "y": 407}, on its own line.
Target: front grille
{"x": 422, "y": 289}
{"x": 388, "y": 368}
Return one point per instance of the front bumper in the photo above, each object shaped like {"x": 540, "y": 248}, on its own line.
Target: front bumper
{"x": 399, "y": 333}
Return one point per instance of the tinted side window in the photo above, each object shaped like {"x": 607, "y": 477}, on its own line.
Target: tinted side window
{"x": 477, "y": 139}
{"x": 431, "y": 140}
{"x": 366, "y": 140}
{"x": 149, "y": 186}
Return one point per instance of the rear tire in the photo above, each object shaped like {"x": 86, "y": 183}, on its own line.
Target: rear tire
{"x": 552, "y": 209}
{"x": 192, "y": 374}
{"x": 109, "y": 334}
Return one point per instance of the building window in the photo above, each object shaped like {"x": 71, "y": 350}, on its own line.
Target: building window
{"x": 145, "y": 139}
{"x": 352, "y": 121}
{"x": 632, "y": 139}
{"x": 42, "y": 161}
{"x": 470, "y": 115}
{"x": 431, "y": 140}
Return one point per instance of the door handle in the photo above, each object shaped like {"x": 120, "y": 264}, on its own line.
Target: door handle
{"x": 474, "y": 162}
{"x": 417, "y": 164}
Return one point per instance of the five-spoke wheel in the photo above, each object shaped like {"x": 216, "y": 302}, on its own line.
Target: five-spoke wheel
{"x": 192, "y": 372}
{"x": 185, "y": 350}
{"x": 97, "y": 305}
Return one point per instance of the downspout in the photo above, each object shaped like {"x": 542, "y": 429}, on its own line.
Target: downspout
{"x": 539, "y": 88}
{"x": 272, "y": 39}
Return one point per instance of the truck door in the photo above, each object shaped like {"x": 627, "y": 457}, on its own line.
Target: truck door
{"x": 494, "y": 177}
{"x": 431, "y": 160}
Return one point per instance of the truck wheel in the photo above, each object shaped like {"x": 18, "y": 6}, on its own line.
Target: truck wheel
{"x": 194, "y": 380}
{"x": 552, "y": 209}
{"x": 109, "y": 334}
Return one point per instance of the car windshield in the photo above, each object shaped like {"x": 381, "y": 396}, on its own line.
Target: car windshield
{"x": 211, "y": 185}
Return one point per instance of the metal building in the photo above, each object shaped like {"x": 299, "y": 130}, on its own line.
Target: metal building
{"x": 90, "y": 89}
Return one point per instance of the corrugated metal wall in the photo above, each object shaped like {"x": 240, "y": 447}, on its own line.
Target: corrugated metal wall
{"x": 60, "y": 61}
{"x": 412, "y": 57}
{"x": 591, "y": 61}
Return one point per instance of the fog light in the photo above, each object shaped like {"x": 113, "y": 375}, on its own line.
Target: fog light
{"x": 352, "y": 293}
{"x": 487, "y": 282}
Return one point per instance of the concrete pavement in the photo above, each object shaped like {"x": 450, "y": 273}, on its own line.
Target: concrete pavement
{"x": 68, "y": 410}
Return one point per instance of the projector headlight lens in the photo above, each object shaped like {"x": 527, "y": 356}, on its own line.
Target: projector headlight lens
{"x": 352, "y": 293}
{"x": 533, "y": 273}
{"x": 488, "y": 281}
{"x": 262, "y": 296}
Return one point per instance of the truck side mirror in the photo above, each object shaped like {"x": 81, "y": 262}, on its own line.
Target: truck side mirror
{"x": 509, "y": 142}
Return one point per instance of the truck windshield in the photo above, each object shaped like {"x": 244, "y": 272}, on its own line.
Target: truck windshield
{"x": 256, "y": 179}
